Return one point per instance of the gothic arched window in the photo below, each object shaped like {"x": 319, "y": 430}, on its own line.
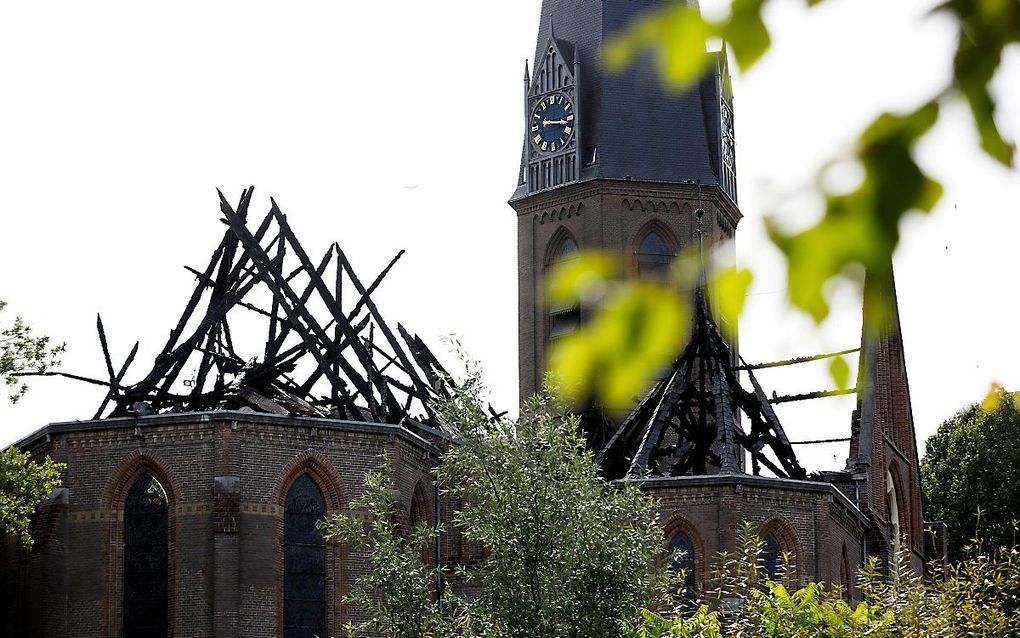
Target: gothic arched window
{"x": 771, "y": 557}
{"x": 681, "y": 551}
{"x": 304, "y": 561}
{"x": 146, "y": 552}
{"x": 654, "y": 256}
{"x": 566, "y": 319}
{"x": 418, "y": 516}
{"x": 419, "y": 508}
{"x": 893, "y": 506}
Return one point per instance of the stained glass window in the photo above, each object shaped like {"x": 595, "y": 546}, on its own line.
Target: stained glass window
{"x": 304, "y": 561}
{"x": 681, "y": 550}
{"x": 771, "y": 557}
{"x": 844, "y": 577}
{"x": 419, "y": 513}
{"x": 146, "y": 549}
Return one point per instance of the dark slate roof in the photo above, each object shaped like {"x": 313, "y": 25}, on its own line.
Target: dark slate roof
{"x": 689, "y": 423}
{"x": 643, "y": 131}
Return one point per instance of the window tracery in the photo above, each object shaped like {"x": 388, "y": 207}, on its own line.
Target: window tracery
{"x": 146, "y": 553}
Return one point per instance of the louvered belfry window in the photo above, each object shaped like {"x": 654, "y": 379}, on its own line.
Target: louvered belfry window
{"x": 304, "y": 561}
{"x": 146, "y": 550}
{"x": 654, "y": 256}
{"x": 565, "y": 319}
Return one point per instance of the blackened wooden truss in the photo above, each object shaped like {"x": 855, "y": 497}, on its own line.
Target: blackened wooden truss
{"x": 327, "y": 351}
{"x": 689, "y": 424}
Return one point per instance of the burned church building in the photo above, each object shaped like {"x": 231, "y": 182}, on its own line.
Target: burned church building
{"x": 615, "y": 162}
{"x": 189, "y": 502}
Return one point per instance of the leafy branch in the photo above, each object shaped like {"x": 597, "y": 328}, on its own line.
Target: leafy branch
{"x": 637, "y": 327}
{"x": 859, "y": 228}
{"x": 23, "y": 485}
{"x": 23, "y": 352}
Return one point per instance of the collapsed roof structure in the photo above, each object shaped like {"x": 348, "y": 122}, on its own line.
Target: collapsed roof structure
{"x": 327, "y": 352}
{"x": 689, "y": 422}
{"x": 324, "y": 356}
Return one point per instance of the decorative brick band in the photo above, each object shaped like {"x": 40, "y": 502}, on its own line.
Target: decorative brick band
{"x": 262, "y": 509}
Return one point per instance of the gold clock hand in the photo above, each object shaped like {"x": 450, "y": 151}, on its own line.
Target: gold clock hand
{"x": 548, "y": 122}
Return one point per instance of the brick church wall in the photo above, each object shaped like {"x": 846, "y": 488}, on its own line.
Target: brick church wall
{"x": 812, "y": 520}
{"x": 226, "y": 477}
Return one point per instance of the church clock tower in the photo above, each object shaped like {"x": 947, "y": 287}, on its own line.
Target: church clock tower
{"x": 613, "y": 162}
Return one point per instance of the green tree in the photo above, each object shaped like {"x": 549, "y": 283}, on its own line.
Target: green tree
{"x": 23, "y": 482}
{"x": 21, "y": 352}
{"x": 568, "y": 554}
{"x": 970, "y": 474}
{"x": 395, "y": 593}
{"x": 23, "y": 485}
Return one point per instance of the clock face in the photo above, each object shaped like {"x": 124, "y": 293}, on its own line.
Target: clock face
{"x": 552, "y": 123}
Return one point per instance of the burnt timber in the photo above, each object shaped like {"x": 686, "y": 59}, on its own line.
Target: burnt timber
{"x": 327, "y": 351}
{"x": 689, "y": 422}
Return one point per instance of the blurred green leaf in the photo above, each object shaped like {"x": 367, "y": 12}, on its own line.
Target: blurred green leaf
{"x": 993, "y": 400}
{"x": 581, "y": 278}
{"x": 986, "y": 27}
{"x": 839, "y": 370}
{"x": 861, "y": 228}
{"x": 612, "y": 358}
{"x": 727, "y": 292}
{"x": 675, "y": 35}
{"x": 745, "y": 32}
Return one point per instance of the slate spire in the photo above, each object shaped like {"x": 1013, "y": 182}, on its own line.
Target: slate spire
{"x": 633, "y": 128}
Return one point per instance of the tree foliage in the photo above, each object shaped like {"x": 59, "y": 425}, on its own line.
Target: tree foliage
{"x": 970, "y": 473}
{"x": 395, "y": 593}
{"x": 639, "y": 325}
{"x": 567, "y": 554}
{"x": 23, "y": 485}
{"x": 23, "y": 482}
{"x": 980, "y": 597}
{"x": 22, "y": 351}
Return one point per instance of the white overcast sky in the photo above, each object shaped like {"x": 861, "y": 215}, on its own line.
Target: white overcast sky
{"x": 398, "y": 125}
